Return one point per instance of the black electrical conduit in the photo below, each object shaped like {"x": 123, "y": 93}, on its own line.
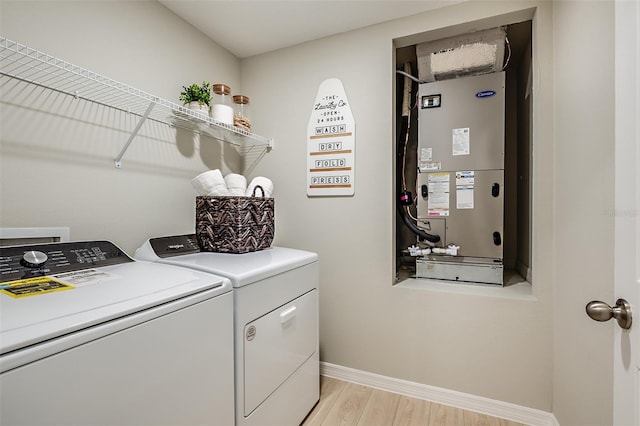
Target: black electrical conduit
{"x": 401, "y": 211}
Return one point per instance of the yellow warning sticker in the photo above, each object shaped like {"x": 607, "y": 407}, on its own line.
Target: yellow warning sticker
{"x": 33, "y": 287}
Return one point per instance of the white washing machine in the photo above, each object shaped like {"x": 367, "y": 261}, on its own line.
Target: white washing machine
{"x": 89, "y": 336}
{"x": 276, "y": 324}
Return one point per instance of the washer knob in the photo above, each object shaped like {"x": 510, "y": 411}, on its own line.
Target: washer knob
{"x": 34, "y": 259}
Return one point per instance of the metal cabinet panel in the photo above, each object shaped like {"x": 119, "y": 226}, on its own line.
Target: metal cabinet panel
{"x": 461, "y": 139}
{"x": 471, "y": 227}
{"x": 461, "y": 124}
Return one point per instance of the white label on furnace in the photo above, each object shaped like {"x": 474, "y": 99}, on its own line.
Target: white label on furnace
{"x": 460, "y": 141}
{"x": 438, "y": 201}
{"x": 429, "y": 166}
{"x": 464, "y": 189}
{"x": 465, "y": 178}
{"x": 464, "y": 197}
{"x": 426, "y": 164}
{"x": 426, "y": 154}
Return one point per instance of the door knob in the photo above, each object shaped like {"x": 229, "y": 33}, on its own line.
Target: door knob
{"x": 600, "y": 311}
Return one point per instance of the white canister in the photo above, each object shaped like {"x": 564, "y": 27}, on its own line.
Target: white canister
{"x": 221, "y": 109}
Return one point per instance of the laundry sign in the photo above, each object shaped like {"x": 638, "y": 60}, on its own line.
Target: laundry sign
{"x": 331, "y": 139}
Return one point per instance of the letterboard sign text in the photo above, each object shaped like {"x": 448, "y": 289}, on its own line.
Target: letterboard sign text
{"x": 331, "y": 136}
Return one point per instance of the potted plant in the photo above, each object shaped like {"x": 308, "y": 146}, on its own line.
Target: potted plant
{"x": 197, "y": 97}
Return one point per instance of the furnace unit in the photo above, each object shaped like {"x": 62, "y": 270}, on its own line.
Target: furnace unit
{"x": 460, "y": 157}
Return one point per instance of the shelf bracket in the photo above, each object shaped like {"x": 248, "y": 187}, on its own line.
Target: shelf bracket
{"x": 133, "y": 134}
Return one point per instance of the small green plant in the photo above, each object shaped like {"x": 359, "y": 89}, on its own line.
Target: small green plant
{"x": 202, "y": 94}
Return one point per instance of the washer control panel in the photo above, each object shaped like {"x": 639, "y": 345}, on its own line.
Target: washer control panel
{"x": 175, "y": 245}
{"x": 22, "y": 262}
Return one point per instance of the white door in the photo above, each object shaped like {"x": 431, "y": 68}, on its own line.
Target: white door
{"x": 626, "y": 355}
{"x": 626, "y": 348}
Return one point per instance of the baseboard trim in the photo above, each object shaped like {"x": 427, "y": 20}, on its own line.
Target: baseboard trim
{"x": 491, "y": 407}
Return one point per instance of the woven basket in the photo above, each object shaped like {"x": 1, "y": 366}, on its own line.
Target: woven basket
{"x": 230, "y": 224}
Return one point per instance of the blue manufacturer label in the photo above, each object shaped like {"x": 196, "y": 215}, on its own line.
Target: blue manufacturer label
{"x": 485, "y": 94}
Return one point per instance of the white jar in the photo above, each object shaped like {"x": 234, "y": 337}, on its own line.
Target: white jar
{"x": 221, "y": 109}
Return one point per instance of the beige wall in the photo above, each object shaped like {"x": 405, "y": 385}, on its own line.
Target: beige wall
{"x": 57, "y": 153}
{"x": 489, "y": 346}
{"x": 513, "y": 350}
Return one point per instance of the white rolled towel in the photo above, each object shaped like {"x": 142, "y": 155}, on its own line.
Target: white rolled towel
{"x": 236, "y": 184}
{"x": 210, "y": 182}
{"x": 219, "y": 190}
{"x": 264, "y": 183}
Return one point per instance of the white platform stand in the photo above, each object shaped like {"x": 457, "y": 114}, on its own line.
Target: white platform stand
{"x": 478, "y": 404}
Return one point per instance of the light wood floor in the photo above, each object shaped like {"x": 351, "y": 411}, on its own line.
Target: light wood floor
{"x": 347, "y": 404}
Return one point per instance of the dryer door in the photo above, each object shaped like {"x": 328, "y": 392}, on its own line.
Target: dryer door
{"x": 276, "y": 345}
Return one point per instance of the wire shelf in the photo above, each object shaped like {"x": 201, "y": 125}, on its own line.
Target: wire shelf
{"x": 35, "y": 67}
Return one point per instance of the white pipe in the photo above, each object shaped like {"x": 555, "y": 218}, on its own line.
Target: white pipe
{"x": 451, "y": 250}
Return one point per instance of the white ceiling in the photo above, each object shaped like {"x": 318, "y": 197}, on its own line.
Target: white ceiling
{"x": 250, "y": 27}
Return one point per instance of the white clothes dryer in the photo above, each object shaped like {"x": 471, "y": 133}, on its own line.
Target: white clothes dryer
{"x": 275, "y": 324}
{"x": 88, "y": 336}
